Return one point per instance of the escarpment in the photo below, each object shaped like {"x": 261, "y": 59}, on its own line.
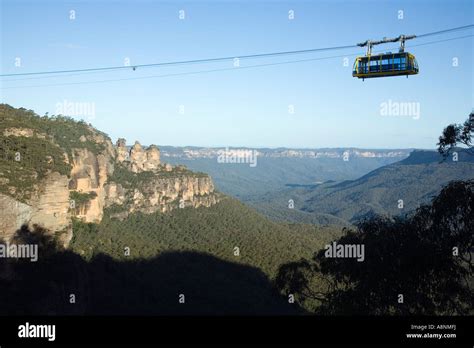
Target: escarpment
{"x": 142, "y": 183}
{"x": 54, "y": 169}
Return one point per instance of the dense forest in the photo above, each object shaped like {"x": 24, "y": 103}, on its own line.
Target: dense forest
{"x": 142, "y": 265}
{"x": 217, "y": 230}
{"x": 419, "y": 264}
{"x": 185, "y": 263}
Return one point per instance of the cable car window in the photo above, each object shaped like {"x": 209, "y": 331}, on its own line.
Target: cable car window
{"x": 363, "y": 67}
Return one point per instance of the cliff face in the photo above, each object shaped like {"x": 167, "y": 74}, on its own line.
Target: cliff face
{"x": 138, "y": 159}
{"x": 89, "y": 175}
{"x": 45, "y": 198}
{"x": 203, "y": 152}
{"x": 58, "y": 178}
{"x": 48, "y": 207}
{"x": 14, "y": 215}
{"x": 146, "y": 185}
{"x": 164, "y": 194}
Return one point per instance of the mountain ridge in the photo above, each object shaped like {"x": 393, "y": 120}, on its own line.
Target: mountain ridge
{"x": 191, "y": 152}
{"x": 391, "y": 190}
{"x": 54, "y": 169}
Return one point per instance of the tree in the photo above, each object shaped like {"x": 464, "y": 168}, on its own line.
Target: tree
{"x": 456, "y": 134}
{"x": 420, "y": 264}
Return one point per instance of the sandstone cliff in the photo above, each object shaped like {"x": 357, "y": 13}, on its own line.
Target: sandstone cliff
{"x": 55, "y": 169}
{"x": 145, "y": 184}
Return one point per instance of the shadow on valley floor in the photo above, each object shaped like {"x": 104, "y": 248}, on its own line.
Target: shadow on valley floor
{"x": 106, "y": 286}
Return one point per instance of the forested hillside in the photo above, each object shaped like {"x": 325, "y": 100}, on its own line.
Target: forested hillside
{"x": 217, "y": 230}
{"x": 272, "y": 174}
{"x": 391, "y": 190}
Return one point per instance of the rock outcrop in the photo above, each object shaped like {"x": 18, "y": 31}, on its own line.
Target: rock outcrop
{"x": 138, "y": 159}
{"x": 122, "y": 151}
{"x": 156, "y": 186}
{"x": 50, "y": 205}
{"x": 48, "y": 208}
{"x": 14, "y": 215}
{"x": 163, "y": 194}
{"x": 142, "y": 184}
{"x": 89, "y": 174}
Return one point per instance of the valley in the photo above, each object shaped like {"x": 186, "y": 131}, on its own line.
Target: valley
{"x": 118, "y": 206}
{"x": 318, "y": 186}
{"x": 278, "y": 169}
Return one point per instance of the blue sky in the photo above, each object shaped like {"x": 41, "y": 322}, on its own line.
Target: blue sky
{"x": 240, "y": 106}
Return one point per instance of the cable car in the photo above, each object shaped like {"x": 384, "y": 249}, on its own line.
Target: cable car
{"x": 385, "y": 64}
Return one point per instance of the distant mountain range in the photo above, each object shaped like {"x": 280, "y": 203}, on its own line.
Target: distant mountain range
{"x": 327, "y": 186}
{"x": 193, "y": 152}
{"x": 272, "y": 170}
{"x": 395, "y": 189}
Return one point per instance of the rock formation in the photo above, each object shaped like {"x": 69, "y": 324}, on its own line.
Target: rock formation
{"x": 162, "y": 194}
{"x": 89, "y": 174}
{"x": 165, "y": 189}
{"x": 48, "y": 208}
{"x": 121, "y": 150}
{"x": 143, "y": 184}
{"x": 137, "y": 159}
